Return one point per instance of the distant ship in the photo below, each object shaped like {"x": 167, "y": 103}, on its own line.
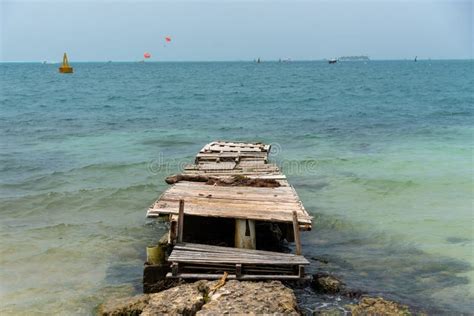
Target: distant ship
{"x": 354, "y": 58}
{"x": 332, "y": 60}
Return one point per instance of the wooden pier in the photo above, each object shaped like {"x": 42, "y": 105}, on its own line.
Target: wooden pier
{"x": 231, "y": 191}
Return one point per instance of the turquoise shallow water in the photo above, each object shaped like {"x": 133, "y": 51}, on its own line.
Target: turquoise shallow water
{"x": 380, "y": 153}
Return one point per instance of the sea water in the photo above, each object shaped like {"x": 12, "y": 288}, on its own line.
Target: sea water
{"x": 380, "y": 153}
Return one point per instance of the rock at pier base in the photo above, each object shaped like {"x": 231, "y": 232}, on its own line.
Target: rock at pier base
{"x": 154, "y": 278}
{"x": 129, "y": 306}
{"x": 198, "y": 299}
{"x": 325, "y": 283}
{"x": 251, "y": 298}
{"x": 378, "y": 306}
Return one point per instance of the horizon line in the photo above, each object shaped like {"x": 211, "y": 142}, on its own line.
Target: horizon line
{"x": 230, "y": 60}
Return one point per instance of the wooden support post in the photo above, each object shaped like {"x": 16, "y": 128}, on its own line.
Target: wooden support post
{"x": 174, "y": 269}
{"x": 301, "y": 271}
{"x": 245, "y": 236}
{"x": 238, "y": 270}
{"x": 296, "y": 230}
{"x": 152, "y": 255}
{"x": 173, "y": 232}
{"x": 181, "y": 221}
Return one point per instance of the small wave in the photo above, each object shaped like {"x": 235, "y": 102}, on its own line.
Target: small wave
{"x": 228, "y": 128}
{"x": 57, "y": 227}
{"x": 109, "y": 166}
{"x": 452, "y": 113}
{"x": 167, "y": 142}
{"x": 114, "y": 98}
{"x": 459, "y": 240}
{"x": 384, "y": 186}
{"x": 310, "y": 120}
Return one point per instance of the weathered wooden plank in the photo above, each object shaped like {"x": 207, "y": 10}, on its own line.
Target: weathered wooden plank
{"x": 205, "y": 276}
{"x": 226, "y": 165}
{"x": 269, "y": 197}
{"x": 304, "y": 223}
{"x": 225, "y": 146}
{"x": 224, "y": 205}
{"x": 219, "y": 210}
{"x": 189, "y": 185}
{"x": 283, "y": 203}
{"x": 232, "y": 153}
{"x": 224, "y": 256}
{"x": 152, "y": 213}
{"x": 183, "y": 186}
{"x": 272, "y": 202}
{"x": 212, "y": 248}
{"x": 205, "y": 260}
{"x": 184, "y": 251}
{"x": 234, "y": 172}
{"x": 180, "y": 254}
{"x": 253, "y": 162}
{"x": 230, "y": 260}
{"x": 272, "y": 198}
{"x": 193, "y": 268}
{"x": 252, "y": 175}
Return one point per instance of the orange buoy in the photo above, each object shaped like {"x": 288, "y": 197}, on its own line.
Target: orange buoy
{"x": 65, "y": 68}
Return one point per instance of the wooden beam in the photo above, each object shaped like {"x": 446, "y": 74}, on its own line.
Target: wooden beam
{"x": 301, "y": 271}
{"x": 206, "y": 276}
{"x": 238, "y": 270}
{"x": 181, "y": 221}
{"x": 296, "y": 230}
{"x": 173, "y": 232}
{"x": 174, "y": 269}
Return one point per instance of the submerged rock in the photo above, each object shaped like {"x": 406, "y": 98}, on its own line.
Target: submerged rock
{"x": 326, "y": 283}
{"x": 330, "y": 312}
{"x": 198, "y": 298}
{"x": 130, "y": 306}
{"x": 378, "y": 306}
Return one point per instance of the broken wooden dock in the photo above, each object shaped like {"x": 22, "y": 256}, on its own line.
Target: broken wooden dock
{"x": 277, "y": 205}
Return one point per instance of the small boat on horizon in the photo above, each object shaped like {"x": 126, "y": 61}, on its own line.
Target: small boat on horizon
{"x": 332, "y": 61}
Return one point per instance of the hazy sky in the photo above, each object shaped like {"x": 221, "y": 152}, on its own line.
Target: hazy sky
{"x": 234, "y": 30}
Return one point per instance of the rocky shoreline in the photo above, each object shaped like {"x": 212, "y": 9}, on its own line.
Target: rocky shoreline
{"x": 246, "y": 297}
{"x": 209, "y": 298}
